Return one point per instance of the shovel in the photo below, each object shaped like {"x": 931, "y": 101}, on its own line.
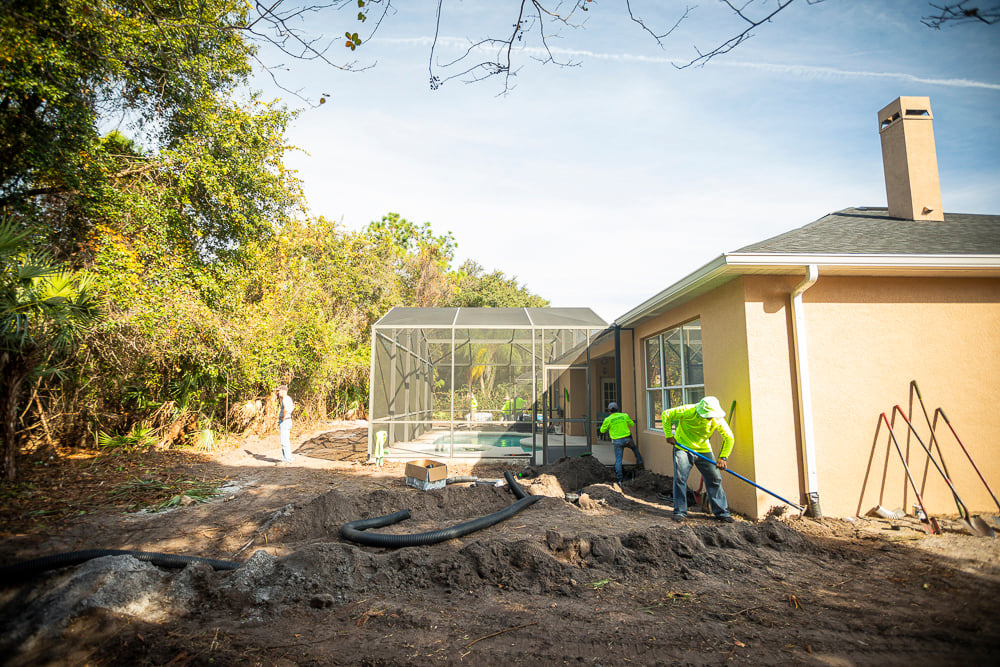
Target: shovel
{"x": 996, "y": 519}
{"x": 736, "y": 474}
{"x": 982, "y": 526}
{"x": 930, "y": 524}
{"x": 974, "y": 524}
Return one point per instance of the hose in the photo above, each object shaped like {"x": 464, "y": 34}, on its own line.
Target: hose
{"x": 354, "y": 530}
{"x": 515, "y": 487}
{"x": 36, "y": 566}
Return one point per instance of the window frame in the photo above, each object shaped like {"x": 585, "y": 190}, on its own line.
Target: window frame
{"x": 690, "y": 392}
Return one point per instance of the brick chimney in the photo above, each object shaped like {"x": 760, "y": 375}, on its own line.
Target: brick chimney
{"x": 910, "y": 160}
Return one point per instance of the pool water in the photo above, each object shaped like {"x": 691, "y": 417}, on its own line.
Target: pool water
{"x": 484, "y": 439}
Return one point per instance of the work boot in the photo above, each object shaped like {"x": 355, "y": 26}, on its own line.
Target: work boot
{"x": 725, "y": 519}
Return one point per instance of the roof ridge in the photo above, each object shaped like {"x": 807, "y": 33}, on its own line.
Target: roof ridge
{"x": 870, "y": 230}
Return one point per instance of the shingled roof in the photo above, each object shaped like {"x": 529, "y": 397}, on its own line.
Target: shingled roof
{"x": 871, "y": 231}
{"x": 855, "y": 241}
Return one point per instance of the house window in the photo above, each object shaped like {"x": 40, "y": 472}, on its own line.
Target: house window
{"x": 609, "y": 393}
{"x": 675, "y": 373}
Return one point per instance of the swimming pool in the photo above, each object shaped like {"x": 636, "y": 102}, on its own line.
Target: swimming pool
{"x": 483, "y": 440}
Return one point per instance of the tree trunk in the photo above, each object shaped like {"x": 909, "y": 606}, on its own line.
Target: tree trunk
{"x": 9, "y": 390}
{"x": 13, "y": 370}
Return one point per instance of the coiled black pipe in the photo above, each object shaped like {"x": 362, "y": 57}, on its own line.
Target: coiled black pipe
{"x": 514, "y": 486}
{"x": 354, "y": 530}
{"x": 11, "y": 573}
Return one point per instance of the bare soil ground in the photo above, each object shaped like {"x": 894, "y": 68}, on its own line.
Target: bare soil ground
{"x": 606, "y": 578}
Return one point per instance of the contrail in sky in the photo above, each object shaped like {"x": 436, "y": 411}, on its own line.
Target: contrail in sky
{"x": 813, "y": 70}
{"x": 798, "y": 70}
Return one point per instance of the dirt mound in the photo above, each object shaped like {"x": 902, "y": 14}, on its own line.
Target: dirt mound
{"x": 651, "y": 483}
{"x": 544, "y": 485}
{"x": 329, "y": 573}
{"x": 610, "y": 580}
{"x": 575, "y": 472}
{"x": 555, "y": 556}
{"x": 122, "y": 586}
{"x": 323, "y": 516}
{"x": 606, "y": 495}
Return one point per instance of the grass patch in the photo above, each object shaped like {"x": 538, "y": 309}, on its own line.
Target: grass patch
{"x": 153, "y": 494}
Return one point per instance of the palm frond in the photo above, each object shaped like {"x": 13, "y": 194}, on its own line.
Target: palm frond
{"x": 12, "y": 239}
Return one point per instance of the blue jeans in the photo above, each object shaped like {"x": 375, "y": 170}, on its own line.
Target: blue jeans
{"x": 285, "y": 428}
{"x": 713, "y": 483}
{"x": 620, "y": 446}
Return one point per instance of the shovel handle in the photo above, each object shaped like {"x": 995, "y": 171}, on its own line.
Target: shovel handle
{"x": 930, "y": 524}
{"x": 940, "y": 411}
{"x": 736, "y": 474}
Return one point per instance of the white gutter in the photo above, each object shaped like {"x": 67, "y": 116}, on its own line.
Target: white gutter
{"x": 803, "y": 387}
{"x": 868, "y": 261}
{"x": 735, "y": 263}
{"x": 689, "y": 283}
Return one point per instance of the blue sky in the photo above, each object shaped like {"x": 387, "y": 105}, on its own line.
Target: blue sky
{"x": 601, "y": 184}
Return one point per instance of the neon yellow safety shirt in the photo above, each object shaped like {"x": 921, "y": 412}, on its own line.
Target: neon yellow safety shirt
{"x": 693, "y": 430}
{"x": 509, "y": 406}
{"x": 617, "y": 425}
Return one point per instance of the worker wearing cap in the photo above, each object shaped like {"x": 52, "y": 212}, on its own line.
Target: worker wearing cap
{"x": 618, "y": 426}
{"x": 695, "y": 424}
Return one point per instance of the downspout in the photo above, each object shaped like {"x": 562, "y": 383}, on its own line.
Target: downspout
{"x": 803, "y": 387}
{"x": 618, "y": 367}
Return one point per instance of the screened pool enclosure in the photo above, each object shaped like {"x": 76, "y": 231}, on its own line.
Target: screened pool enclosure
{"x": 484, "y": 382}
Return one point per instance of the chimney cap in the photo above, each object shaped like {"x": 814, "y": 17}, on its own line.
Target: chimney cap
{"x": 910, "y": 108}
{"x": 909, "y": 159}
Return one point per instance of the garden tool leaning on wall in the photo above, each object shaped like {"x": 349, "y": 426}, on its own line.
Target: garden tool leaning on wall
{"x": 930, "y": 525}
{"x": 934, "y": 441}
{"x": 974, "y": 523}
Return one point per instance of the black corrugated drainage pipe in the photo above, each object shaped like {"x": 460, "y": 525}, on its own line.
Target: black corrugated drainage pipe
{"x": 29, "y": 568}
{"x": 354, "y": 530}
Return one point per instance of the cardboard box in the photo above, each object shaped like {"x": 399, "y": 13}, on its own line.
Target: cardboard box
{"x": 426, "y": 474}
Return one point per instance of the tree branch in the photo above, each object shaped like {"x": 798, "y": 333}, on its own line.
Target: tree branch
{"x": 960, "y": 12}
{"x": 644, "y": 26}
{"x": 747, "y": 33}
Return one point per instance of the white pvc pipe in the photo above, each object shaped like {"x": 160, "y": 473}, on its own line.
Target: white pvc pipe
{"x": 803, "y": 387}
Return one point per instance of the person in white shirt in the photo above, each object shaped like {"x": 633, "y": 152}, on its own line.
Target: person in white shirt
{"x": 285, "y": 408}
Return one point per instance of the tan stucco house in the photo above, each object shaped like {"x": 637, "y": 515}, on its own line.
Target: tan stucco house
{"x": 814, "y": 333}
{"x": 807, "y": 338}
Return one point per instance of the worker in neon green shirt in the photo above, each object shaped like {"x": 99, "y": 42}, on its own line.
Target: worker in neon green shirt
{"x": 695, "y": 424}
{"x": 618, "y": 426}
{"x": 513, "y": 407}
